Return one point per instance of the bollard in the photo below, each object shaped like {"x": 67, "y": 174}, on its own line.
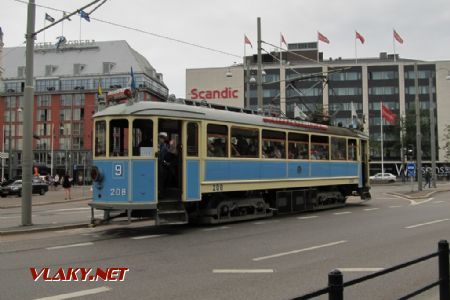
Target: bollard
{"x": 335, "y": 282}
{"x": 444, "y": 285}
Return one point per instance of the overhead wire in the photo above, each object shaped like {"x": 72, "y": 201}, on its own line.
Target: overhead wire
{"x": 144, "y": 32}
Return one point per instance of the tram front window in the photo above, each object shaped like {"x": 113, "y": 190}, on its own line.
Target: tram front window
{"x": 142, "y": 137}
{"x": 100, "y": 138}
{"x": 118, "y": 137}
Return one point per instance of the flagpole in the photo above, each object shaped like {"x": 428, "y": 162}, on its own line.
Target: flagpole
{"x": 393, "y": 44}
{"x": 381, "y": 130}
{"x": 356, "y": 52}
{"x": 62, "y": 26}
{"x": 317, "y": 46}
{"x": 44, "y": 30}
{"x": 247, "y": 77}
{"x": 80, "y": 29}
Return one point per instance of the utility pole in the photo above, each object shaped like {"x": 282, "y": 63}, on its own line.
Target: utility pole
{"x": 28, "y": 117}
{"x": 418, "y": 133}
{"x": 10, "y": 172}
{"x": 432, "y": 131}
{"x": 259, "y": 91}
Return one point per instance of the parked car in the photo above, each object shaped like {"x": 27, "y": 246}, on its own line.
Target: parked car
{"x": 15, "y": 188}
{"x": 383, "y": 177}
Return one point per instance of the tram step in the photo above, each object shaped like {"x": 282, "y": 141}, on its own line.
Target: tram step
{"x": 168, "y": 212}
{"x": 171, "y": 217}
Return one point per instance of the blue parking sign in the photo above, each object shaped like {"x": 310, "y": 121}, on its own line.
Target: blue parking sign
{"x": 411, "y": 169}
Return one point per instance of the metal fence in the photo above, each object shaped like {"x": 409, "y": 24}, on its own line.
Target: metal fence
{"x": 336, "y": 284}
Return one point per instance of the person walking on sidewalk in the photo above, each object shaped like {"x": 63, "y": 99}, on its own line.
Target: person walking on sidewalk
{"x": 427, "y": 179}
{"x": 67, "y": 185}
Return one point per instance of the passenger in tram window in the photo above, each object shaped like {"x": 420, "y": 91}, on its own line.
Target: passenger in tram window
{"x": 278, "y": 152}
{"x": 210, "y": 148}
{"x": 219, "y": 148}
{"x": 242, "y": 146}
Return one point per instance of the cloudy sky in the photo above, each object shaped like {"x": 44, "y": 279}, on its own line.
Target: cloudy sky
{"x": 221, "y": 24}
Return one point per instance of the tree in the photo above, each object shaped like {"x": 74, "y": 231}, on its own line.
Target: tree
{"x": 446, "y": 144}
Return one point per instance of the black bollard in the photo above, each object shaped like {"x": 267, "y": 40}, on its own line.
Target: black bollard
{"x": 335, "y": 282}
{"x": 444, "y": 285}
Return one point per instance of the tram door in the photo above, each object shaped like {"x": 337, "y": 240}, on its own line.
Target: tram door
{"x": 364, "y": 162}
{"x": 191, "y": 163}
{"x": 170, "y": 159}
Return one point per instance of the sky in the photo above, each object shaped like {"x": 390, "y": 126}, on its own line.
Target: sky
{"x": 221, "y": 24}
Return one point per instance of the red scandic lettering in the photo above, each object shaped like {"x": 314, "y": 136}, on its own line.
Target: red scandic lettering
{"x": 35, "y": 275}
{"x": 194, "y": 94}
{"x": 102, "y": 274}
{"x": 224, "y": 94}
{"x": 84, "y": 273}
{"x": 201, "y": 94}
{"x": 215, "y": 94}
{"x": 235, "y": 94}
{"x": 123, "y": 272}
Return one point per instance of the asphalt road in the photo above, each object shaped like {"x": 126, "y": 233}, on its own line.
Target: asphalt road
{"x": 278, "y": 258}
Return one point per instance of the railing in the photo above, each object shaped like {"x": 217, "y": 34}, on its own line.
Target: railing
{"x": 336, "y": 284}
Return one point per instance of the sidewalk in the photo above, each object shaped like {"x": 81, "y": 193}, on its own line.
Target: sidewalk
{"x": 45, "y": 211}
{"x": 405, "y": 190}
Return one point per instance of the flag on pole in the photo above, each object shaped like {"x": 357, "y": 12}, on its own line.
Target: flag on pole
{"x": 247, "y": 41}
{"x": 322, "y": 38}
{"x": 360, "y": 37}
{"x": 133, "y": 81}
{"x": 60, "y": 40}
{"x": 99, "y": 88}
{"x": 85, "y": 16}
{"x": 298, "y": 113}
{"x": 388, "y": 114}
{"x": 397, "y": 37}
{"x": 282, "y": 40}
{"x": 49, "y": 18}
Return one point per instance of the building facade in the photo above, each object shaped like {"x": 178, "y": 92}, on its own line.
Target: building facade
{"x": 67, "y": 84}
{"x": 332, "y": 87}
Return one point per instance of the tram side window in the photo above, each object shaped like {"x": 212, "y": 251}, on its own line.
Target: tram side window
{"x": 192, "y": 139}
{"x": 244, "y": 142}
{"x": 273, "y": 144}
{"x": 142, "y": 137}
{"x": 118, "y": 137}
{"x": 298, "y": 146}
{"x": 338, "y": 148}
{"x": 319, "y": 147}
{"x": 217, "y": 140}
{"x": 100, "y": 138}
{"x": 352, "y": 149}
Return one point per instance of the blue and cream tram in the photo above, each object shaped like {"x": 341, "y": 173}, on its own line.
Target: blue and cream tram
{"x": 189, "y": 161}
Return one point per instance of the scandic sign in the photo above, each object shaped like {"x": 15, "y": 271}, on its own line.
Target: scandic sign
{"x": 226, "y": 93}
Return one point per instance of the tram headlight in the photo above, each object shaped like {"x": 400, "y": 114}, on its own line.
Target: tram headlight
{"x": 96, "y": 174}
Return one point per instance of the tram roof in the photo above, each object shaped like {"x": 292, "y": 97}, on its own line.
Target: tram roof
{"x": 181, "y": 110}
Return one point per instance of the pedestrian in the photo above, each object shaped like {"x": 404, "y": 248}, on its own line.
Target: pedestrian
{"x": 428, "y": 179}
{"x": 67, "y": 184}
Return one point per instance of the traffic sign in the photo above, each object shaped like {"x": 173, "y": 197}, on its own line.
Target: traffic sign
{"x": 4, "y": 155}
{"x": 411, "y": 169}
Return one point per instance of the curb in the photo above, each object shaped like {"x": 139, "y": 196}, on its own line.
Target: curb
{"x": 47, "y": 203}
{"x": 30, "y": 229}
{"x": 419, "y": 197}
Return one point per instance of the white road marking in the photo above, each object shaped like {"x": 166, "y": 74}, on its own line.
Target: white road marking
{"x": 70, "y": 246}
{"x": 412, "y": 201}
{"x": 395, "y": 206}
{"x": 298, "y": 251}
{"x": 440, "y": 201}
{"x": 77, "y": 294}
{"x": 427, "y": 223}
{"x": 147, "y": 236}
{"x": 265, "y": 222}
{"x": 360, "y": 269}
{"x": 307, "y": 217}
{"x": 241, "y": 271}
{"x": 66, "y": 209}
{"x": 216, "y": 228}
{"x": 373, "y": 208}
{"x": 342, "y": 213}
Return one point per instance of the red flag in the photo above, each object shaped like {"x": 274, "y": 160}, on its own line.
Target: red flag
{"x": 282, "y": 39}
{"x": 247, "y": 41}
{"x": 398, "y": 37}
{"x": 388, "y": 114}
{"x": 360, "y": 37}
{"x": 322, "y": 38}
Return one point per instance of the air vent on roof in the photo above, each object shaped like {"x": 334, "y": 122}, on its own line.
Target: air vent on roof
{"x": 50, "y": 69}
{"x": 107, "y": 67}
{"x": 21, "y": 72}
{"x": 383, "y": 55}
{"x": 78, "y": 68}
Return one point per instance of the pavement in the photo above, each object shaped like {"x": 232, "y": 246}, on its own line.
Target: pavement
{"x": 82, "y": 195}
{"x": 44, "y": 210}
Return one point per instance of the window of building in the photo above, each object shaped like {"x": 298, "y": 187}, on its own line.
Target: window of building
{"x": 44, "y": 100}
{"x": 118, "y": 137}
{"x": 345, "y": 91}
{"x": 383, "y": 90}
{"x": 47, "y": 85}
{"x": 65, "y": 114}
{"x": 352, "y": 154}
{"x": 338, "y": 148}
{"x": 44, "y": 115}
{"x": 320, "y": 147}
{"x": 244, "y": 142}
{"x": 273, "y": 144}
{"x": 100, "y": 138}
{"x": 345, "y": 76}
{"x": 192, "y": 139}
{"x": 78, "y": 100}
{"x": 298, "y": 146}
{"x": 217, "y": 139}
{"x": 66, "y": 100}
{"x": 383, "y": 75}
{"x": 142, "y": 142}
